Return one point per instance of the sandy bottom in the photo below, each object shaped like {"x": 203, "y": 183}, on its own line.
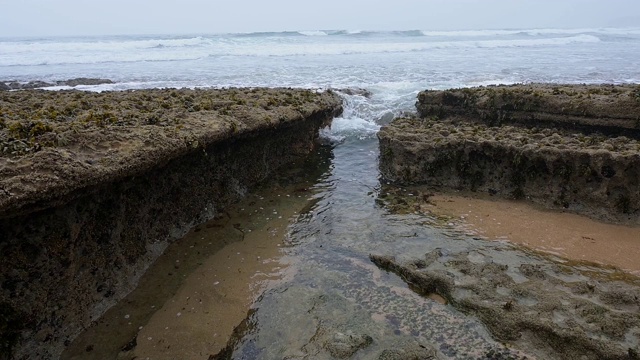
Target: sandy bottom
{"x": 190, "y": 300}
{"x": 199, "y": 319}
{"x": 567, "y": 235}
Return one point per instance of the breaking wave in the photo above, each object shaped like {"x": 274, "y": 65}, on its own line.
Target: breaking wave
{"x": 81, "y": 51}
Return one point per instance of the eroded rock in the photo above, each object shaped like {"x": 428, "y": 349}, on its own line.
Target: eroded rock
{"x": 344, "y": 346}
{"x": 548, "y": 309}
{"x": 84, "y": 81}
{"x": 408, "y": 351}
{"x": 582, "y": 165}
{"x": 16, "y": 85}
{"x": 116, "y": 177}
{"x": 610, "y": 109}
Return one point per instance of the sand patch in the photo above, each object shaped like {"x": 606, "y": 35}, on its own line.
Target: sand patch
{"x": 564, "y": 234}
{"x": 200, "y": 318}
{"x": 190, "y": 300}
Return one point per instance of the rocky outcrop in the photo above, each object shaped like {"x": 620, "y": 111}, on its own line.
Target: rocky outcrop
{"x": 558, "y": 160}
{"x": 612, "y": 110}
{"x": 105, "y": 181}
{"x": 17, "y": 85}
{"x": 552, "y": 310}
{"x": 84, "y": 81}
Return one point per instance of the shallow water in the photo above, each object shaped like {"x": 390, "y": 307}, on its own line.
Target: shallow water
{"x": 551, "y": 231}
{"x": 337, "y": 288}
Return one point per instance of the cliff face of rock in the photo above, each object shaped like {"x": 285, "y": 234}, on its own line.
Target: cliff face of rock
{"x": 96, "y": 192}
{"x": 576, "y": 160}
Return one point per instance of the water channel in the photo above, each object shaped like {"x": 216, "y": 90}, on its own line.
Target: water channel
{"x": 286, "y": 273}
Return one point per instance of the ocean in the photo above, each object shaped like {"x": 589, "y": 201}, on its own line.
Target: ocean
{"x": 331, "y": 243}
{"x": 394, "y": 66}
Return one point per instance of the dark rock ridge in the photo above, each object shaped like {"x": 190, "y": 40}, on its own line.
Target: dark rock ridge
{"x": 560, "y": 160}
{"x": 17, "y": 85}
{"x": 84, "y": 81}
{"x": 103, "y": 182}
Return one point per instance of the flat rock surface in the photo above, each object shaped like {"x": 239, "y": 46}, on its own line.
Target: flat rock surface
{"x": 52, "y": 143}
{"x": 611, "y": 109}
{"x": 442, "y": 133}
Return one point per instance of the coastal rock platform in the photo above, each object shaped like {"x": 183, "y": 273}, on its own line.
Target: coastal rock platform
{"x": 607, "y": 109}
{"x": 573, "y": 148}
{"x": 94, "y": 186}
{"x": 565, "y": 147}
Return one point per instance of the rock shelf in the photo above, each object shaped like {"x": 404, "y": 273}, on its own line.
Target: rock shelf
{"x": 609, "y": 109}
{"x": 93, "y": 186}
{"x": 584, "y": 166}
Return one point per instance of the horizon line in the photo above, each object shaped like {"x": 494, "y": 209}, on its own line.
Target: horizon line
{"x": 301, "y": 31}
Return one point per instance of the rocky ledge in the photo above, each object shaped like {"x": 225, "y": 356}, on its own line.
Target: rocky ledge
{"x": 17, "y": 85}
{"x": 93, "y": 187}
{"x": 559, "y": 146}
{"x": 608, "y": 109}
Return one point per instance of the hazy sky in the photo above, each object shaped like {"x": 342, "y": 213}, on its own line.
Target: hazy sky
{"x": 99, "y": 17}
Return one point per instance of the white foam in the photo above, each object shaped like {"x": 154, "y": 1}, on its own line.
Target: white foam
{"x": 489, "y": 82}
{"x": 391, "y": 47}
{"x": 604, "y": 31}
{"x": 103, "y": 45}
{"x": 532, "y": 32}
{"x": 85, "y": 51}
{"x": 538, "y": 42}
{"x": 313, "y": 33}
{"x": 342, "y": 128}
{"x": 471, "y": 33}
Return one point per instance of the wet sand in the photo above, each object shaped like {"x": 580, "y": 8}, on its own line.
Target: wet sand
{"x": 192, "y": 298}
{"x": 567, "y": 235}
{"x": 199, "y": 319}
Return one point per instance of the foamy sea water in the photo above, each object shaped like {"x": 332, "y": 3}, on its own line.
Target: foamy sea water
{"x": 394, "y": 66}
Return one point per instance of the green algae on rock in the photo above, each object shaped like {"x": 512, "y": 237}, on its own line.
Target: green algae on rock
{"x": 104, "y": 181}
